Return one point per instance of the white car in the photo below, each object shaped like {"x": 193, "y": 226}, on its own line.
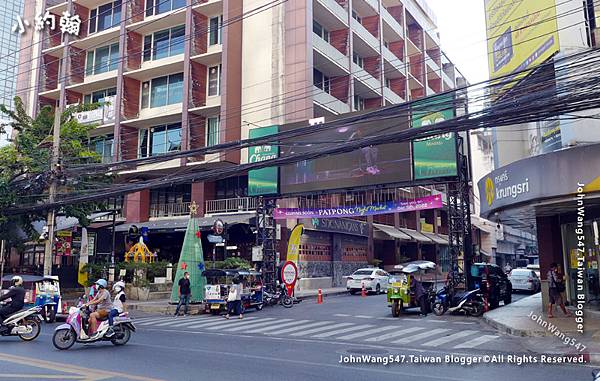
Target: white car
{"x": 525, "y": 280}
{"x": 374, "y": 280}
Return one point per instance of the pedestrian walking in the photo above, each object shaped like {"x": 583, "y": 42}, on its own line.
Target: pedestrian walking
{"x": 556, "y": 287}
{"x": 185, "y": 294}
{"x": 234, "y": 299}
{"x": 417, "y": 288}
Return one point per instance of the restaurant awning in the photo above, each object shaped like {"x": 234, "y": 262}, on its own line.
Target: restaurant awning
{"x": 416, "y": 236}
{"x": 180, "y": 223}
{"x": 389, "y": 232}
{"x": 436, "y": 238}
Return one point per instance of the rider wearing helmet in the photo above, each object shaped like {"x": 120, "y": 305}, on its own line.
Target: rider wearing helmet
{"x": 118, "y": 305}
{"x": 16, "y": 294}
{"x": 102, "y": 303}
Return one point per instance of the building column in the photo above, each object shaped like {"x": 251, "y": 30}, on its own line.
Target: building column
{"x": 549, "y": 240}
{"x": 200, "y": 193}
{"x": 137, "y": 207}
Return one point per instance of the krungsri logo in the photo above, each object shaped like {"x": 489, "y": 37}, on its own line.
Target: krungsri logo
{"x": 490, "y": 191}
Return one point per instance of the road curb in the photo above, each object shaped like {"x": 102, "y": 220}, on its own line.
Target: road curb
{"x": 513, "y": 331}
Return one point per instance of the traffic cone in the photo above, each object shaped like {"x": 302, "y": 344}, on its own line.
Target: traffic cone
{"x": 363, "y": 292}
{"x": 320, "y": 297}
{"x": 486, "y": 307}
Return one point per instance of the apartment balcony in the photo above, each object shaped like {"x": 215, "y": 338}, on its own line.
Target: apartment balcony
{"x": 391, "y": 96}
{"x": 447, "y": 80}
{"x": 392, "y": 62}
{"x": 331, "y": 12}
{"x": 329, "y": 102}
{"x": 429, "y": 91}
{"x": 174, "y": 209}
{"x": 104, "y": 114}
{"x": 412, "y": 48}
{"x": 231, "y": 205}
{"x": 94, "y": 40}
{"x": 366, "y": 7}
{"x": 425, "y": 19}
{"x": 208, "y": 7}
{"x": 51, "y": 93}
{"x": 434, "y": 68}
{"x": 157, "y": 115}
{"x": 392, "y": 30}
{"x": 157, "y": 68}
{"x": 366, "y": 85}
{"x": 367, "y": 44}
{"x": 95, "y": 82}
{"x": 212, "y": 57}
{"x": 155, "y": 23}
{"x": 329, "y": 58}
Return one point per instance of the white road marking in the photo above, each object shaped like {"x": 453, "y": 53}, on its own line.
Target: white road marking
{"x": 344, "y": 330}
{"x": 150, "y": 321}
{"x": 180, "y": 321}
{"x": 476, "y": 342}
{"x": 449, "y": 338}
{"x": 255, "y": 323}
{"x": 364, "y": 317}
{"x": 278, "y": 326}
{"x": 464, "y": 322}
{"x": 366, "y": 333}
{"x": 394, "y": 334}
{"x": 420, "y": 336}
{"x": 218, "y": 323}
{"x": 300, "y": 327}
{"x": 321, "y": 329}
{"x": 342, "y": 315}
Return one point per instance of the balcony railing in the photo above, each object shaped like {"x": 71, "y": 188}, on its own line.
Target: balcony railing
{"x": 170, "y": 210}
{"x": 102, "y": 115}
{"x": 231, "y": 205}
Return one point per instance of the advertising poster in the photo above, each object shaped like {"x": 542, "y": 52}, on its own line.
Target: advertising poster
{"x": 263, "y": 181}
{"x": 520, "y": 35}
{"x": 435, "y": 156}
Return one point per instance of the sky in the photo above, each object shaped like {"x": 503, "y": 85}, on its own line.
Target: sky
{"x": 461, "y": 24}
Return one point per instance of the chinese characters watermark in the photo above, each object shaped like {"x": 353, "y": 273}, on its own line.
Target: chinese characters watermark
{"x": 70, "y": 24}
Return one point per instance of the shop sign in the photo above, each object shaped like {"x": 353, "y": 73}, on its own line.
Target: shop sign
{"x": 427, "y": 228}
{"x": 264, "y": 180}
{"x": 294, "y": 243}
{"x": 64, "y": 242}
{"x": 340, "y": 225}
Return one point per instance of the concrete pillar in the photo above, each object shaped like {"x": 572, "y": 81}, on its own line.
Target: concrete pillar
{"x": 200, "y": 193}
{"x": 549, "y": 241}
{"x": 137, "y": 207}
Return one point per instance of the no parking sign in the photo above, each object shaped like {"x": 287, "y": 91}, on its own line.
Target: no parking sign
{"x": 289, "y": 275}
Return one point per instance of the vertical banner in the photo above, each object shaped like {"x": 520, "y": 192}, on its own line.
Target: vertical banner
{"x": 64, "y": 243}
{"x": 82, "y": 276}
{"x": 263, "y": 181}
{"x": 294, "y": 243}
{"x": 434, "y": 156}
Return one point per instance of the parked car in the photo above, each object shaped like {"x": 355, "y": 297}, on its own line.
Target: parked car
{"x": 375, "y": 280}
{"x": 494, "y": 283}
{"x": 535, "y": 268}
{"x": 525, "y": 280}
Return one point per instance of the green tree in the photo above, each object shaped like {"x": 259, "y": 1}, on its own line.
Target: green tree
{"x": 25, "y": 164}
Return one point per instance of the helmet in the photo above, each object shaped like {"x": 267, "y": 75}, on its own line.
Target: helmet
{"x": 17, "y": 280}
{"x": 120, "y": 285}
{"x": 102, "y": 283}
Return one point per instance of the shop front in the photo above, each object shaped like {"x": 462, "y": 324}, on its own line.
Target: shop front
{"x": 556, "y": 197}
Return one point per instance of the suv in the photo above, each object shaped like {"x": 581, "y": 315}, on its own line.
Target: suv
{"x": 493, "y": 282}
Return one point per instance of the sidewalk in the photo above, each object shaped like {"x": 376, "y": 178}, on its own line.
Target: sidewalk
{"x": 162, "y": 306}
{"x": 526, "y": 318}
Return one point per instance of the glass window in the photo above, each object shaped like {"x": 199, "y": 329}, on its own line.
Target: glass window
{"x": 177, "y": 40}
{"x": 174, "y": 138}
{"x": 356, "y": 16}
{"x": 146, "y": 94}
{"x": 116, "y": 13}
{"x": 162, "y": 6}
{"x": 358, "y": 103}
{"x": 89, "y": 65}
{"x": 143, "y": 152}
{"x": 214, "y": 79}
{"x": 320, "y": 31}
{"x": 92, "y": 21}
{"x": 212, "y": 131}
{"x": 321, "y": 81}
{"x": 114, "y": 57}
{"x": 147, "y": 47}
{"x": 159, "y": 140}
{"x": 104, "y": 148}
{"x": 175, "y": 88}
{"x": 214, "y": 36}
{"x": 357, "y": 60}
{"x": 161, "y": 44}
{"x": 105, "y": 16}
{"x": 101, "y": 60}
{"x": 155, "y": 7}
{"x": 158, "y": 92}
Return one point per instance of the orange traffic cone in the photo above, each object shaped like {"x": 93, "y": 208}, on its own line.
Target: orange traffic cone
{"x": 363, "y": 292}
{"x": 320, "y": 297}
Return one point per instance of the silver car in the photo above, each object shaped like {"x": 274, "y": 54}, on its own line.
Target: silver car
{"x": 525, "y": 280}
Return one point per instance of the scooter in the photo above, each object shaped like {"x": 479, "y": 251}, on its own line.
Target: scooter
{"x": 469, "y": 302}
{"x": 74, "y": 330}
{"x": 26, "y": 324}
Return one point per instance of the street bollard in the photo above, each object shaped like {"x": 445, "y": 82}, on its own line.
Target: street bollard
{"x": 363, "y": 292}
{"x": 320, "y": 297}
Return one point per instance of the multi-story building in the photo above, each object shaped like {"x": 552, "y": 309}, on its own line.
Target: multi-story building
{"x": 540, "y": 167}
{"x": 183, "y": 74}
{"x": 9, "y": 51}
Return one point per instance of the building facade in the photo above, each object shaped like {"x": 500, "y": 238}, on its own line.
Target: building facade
{"x": 546, "y": 179}
{"x": 185, "y": 74}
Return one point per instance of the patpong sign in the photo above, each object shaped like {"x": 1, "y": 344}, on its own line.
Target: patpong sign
{"x": 289, "y": 275}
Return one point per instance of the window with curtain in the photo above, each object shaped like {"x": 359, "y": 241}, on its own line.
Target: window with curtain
{"x": 104, "y": 17}
{"x": 162, "y": 91}
{"x": 212, "y": 131}
{"x": 164, "y": 43}
{"x": 103, "y": 146}
{"x": 102, "y": 60}
{"x": 214, "y": 80}
{"x": 214, "y": 34}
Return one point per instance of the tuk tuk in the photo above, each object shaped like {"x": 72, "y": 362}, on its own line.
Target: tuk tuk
{"x": 399, "y": 296}
{"x": 217, "y": 286}
{"x": 40, "y": 291}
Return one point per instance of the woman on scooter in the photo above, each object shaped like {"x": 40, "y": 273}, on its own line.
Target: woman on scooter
{"x": 102, "y": 303}
{"x": 118, "y": 306}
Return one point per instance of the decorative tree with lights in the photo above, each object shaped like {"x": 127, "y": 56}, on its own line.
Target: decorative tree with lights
{"x": 191, "y": 260}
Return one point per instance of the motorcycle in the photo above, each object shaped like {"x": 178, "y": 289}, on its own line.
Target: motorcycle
{"x": 280, "y": 296}
{"x": 74, "y": 330}
{"x": 26, "y": 324}
{"x": 469, "y": 302}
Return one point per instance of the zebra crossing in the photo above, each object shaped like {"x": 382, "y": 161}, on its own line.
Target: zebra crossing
{"x": 395, "y": 334}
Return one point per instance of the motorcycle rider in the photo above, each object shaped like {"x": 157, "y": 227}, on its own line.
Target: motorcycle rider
{"x": 102, "y": 303}
{"x": 118, "y": 306}
{"x": 16, "y": 294}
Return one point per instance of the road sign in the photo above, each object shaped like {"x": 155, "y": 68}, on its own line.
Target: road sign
{"x": 214, "y": 238}
{"x": 289, "y": 275}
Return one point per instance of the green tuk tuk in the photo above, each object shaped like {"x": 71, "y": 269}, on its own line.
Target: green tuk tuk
{"x": 399, "y": 296}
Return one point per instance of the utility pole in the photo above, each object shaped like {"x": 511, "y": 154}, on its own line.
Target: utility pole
{"x": 55, "y": 158}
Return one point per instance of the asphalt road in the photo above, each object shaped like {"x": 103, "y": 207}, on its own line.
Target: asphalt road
{"x": 305, "y": 342}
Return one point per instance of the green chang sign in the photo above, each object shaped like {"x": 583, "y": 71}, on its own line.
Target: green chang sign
{"x": 262, "y": 181}
{"x": 434, "y": 156}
